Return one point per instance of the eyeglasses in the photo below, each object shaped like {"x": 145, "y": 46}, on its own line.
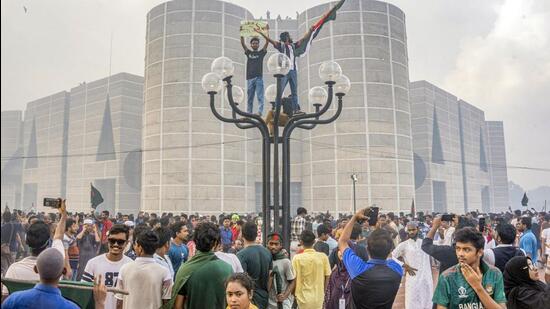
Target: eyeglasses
{"x": 119, "y": 242}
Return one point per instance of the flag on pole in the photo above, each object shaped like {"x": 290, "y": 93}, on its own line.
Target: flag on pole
{"x": 524, "y": 200}
{"x": 306, "y": 42}
{"x": 95, "y": 197}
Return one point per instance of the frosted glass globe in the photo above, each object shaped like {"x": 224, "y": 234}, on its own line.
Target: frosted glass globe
{"x": 238, "y": 94}
{"x": 342, "y": 85}
{"x": 211, "y": 82}
{"x": 278, "y": 63}
{"x": 318, "y": 95}
{"x": 223, "y": 66}
{"x": 329, "y": 71}
{"x": 271, "y": 93}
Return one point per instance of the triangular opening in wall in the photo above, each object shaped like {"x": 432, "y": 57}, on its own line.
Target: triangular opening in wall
{"x": 482, "y": 156}
{"x": 32, "y": 150}
{"x": 106, "y": 145}
{"x": 437, "y": 149}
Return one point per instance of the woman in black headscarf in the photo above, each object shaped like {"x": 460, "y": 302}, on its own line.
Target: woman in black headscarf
{"x": 522, "y": 286}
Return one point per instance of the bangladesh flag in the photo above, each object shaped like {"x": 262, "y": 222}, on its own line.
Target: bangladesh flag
{"x": 328, "y": 16}
{"x": 80, "y": 293}
{"x": 95, "y": 197}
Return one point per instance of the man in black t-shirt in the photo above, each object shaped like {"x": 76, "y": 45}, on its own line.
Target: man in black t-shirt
{"x": 254, "y": 73}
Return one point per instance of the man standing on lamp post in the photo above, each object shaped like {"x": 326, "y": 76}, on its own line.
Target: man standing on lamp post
{"x": 254, "y": 72}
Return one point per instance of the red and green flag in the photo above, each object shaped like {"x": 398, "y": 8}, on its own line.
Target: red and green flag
{"x": 328, "y": 16}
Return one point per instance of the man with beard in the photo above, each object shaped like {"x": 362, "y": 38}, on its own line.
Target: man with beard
{"x": 108, "y": 265}
{"x": 471, "y": 283}
{"x": 282, "y": 276}
{"x": 71, "y": 249}
{"x": 419, "y": 284}
{"x": 88, "y": 241}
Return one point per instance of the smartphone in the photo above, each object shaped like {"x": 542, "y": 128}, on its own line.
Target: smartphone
{"x": 481, "y": 224}
{"x": 447, "y": 217}
{"x": 373, "y": 215}
{"x": 52, "y": 202}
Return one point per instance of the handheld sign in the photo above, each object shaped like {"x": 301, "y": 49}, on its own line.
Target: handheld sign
{"x": 248, "y": 27}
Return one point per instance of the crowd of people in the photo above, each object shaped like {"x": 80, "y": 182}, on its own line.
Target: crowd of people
{"x": 344, "y": 261}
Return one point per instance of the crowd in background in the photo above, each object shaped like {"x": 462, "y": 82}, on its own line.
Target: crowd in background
{"x": 196, "y": 261}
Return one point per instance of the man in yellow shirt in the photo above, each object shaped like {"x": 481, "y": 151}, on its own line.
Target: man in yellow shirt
{"x": 312, "y": 274}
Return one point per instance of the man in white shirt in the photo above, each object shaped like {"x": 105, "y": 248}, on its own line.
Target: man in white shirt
{"x": 545, "y": 237}
{"x": 38, "y": 239}
{"x": 149, "y": 284}
{"x": 229, "y": 258}
{"x": 108, "y": 265}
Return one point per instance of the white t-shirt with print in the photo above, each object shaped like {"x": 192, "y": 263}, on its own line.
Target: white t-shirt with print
{"x": 109, "y": 271}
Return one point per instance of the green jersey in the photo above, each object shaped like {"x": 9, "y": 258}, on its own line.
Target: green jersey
{"x": 454, "y": 292}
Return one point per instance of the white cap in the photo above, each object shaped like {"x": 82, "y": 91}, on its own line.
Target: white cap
{"x": 129, "y": 223}
{"x": 88, "y": 221}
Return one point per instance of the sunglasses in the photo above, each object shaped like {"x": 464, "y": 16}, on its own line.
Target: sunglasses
{"x": 119, "y": 242}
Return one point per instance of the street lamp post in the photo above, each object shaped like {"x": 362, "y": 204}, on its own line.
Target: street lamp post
{"x": 278, "y": 65}
{"x": 354, "y": 180}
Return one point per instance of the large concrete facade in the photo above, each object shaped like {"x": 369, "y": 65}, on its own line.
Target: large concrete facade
{"x": 205, "y": 165}
{"x": 91, "y": 134}
{"x": 105, "y": 124}
{"x": 497, "y": 157}
{"x": 460, "y": 163}
{"x": 12, "y": 164}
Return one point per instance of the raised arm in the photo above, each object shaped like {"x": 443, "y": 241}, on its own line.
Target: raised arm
{"x": 268, "y": 39}
{"x": 60, "y": 228}
{"x": 300, "y": 41}
{"x": 346, "y": 233}
{"x": 243, "y": 44}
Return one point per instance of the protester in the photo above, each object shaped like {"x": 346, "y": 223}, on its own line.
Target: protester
{"x": 239, "y": 292}
{"x": 161, "y": 254}
{"x": 38, "y": 239}
{"x": 229, "y": 258}
{"x": 71, "y": 249}
{"x": 528, "y": 241}
{"x": 419, "y": 281}
{"x": 11, "y": 239}
{"x": 297, "y": 226}
{"x": 108, "y": 265}
{"x": 257, "y": 262}
{"x": 471, "y": 283}
{"x": 378, "y": 277}
{"x": 237, "y": 246}
{"x": 446, "y": 255}
{"x": 50, "y": 266}
{"x": 178, "y": 252}
{"x": 505, "y": 250}
{"x": 546, "y": 250}
{"x": 104, "y": 226}
{"x": 254, "y": 73}
{"x": 149, "y": 284}
{"x": 522, "y": 286}
{"x": 200, "y": 281}
{"x": 88, "y": 241}
{"x": 282, "y": 276}
{"x": 312, "y": 273}
{"x": 320, "y": 245}
{"x": 226, "y": 234}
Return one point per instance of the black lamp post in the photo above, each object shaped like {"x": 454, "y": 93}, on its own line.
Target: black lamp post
{"x": 279, "y": 65}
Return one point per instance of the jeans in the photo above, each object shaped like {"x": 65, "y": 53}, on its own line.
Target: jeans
{"x": 255, "y": 84}
{"x": 292, "y": 79}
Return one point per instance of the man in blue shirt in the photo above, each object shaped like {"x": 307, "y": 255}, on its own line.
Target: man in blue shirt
{"x": 528, "y": 241}
{"x": 379, "y": 277}
{"x": 50, "y": 265}
{"x": 179, "y": 252}
{"x": 226, "y": 234}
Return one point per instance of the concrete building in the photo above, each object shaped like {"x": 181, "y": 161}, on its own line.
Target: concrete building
{"x": 45, "y": 149}
{"x": 105, "y": 125}
{"x": 12, "y": 164}
{"x": 214, "y": 167}
{"x": 91, "y": 134}
{"x": 459, "y": 158}
{"x": 497, "y": 157}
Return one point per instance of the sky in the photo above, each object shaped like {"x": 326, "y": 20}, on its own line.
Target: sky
{"x": 494, "y": 54}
